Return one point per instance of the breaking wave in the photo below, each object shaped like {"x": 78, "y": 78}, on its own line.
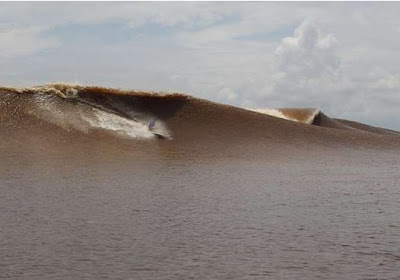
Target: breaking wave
{"x": 72, "y": 107}
{"x": 59, "y": 110}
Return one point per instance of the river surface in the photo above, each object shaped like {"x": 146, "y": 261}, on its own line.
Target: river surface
{"x": 314, "y": 218}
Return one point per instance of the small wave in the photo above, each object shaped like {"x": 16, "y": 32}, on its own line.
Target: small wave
{"x": 297, "y": 115}
{"x": 301, "y": 115}
{"x": 273, "y": 112}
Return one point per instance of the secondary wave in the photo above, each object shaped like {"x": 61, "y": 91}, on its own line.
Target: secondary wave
{"x": 293, "y": 114}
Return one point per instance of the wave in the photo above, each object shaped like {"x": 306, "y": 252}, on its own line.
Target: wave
{"x": 316, "y": 117}
{"x": 78, "y": 112}
{"x": 293, "y": 114}
{"x": 74, "y": 107}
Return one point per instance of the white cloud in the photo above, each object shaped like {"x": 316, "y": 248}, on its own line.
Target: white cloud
{"x": 23, "y": 41}
{"x": 305, "y": 72}
{"x": 384, "y": 80}
{"x": 136, "y": 14}
{"x": 308, "y": 54}
{"x": 171, "y": 14}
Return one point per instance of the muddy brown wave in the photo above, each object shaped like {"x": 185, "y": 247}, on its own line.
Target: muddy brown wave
{"x": 57, "y": 113}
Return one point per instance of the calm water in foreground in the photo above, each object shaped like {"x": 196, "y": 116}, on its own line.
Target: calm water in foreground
{"x": 316, "y": 218}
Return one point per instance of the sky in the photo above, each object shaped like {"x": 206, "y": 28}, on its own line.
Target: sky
{"x": 340, "y": 57}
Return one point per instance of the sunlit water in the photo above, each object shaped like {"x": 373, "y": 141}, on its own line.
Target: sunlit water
{"x": 335, "y": 218}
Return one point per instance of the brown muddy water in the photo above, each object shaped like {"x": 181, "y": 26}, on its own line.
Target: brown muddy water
{"x": 318, "y": 217}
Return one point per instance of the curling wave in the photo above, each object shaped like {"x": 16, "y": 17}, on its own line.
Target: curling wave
{"x": 74, "y": 107}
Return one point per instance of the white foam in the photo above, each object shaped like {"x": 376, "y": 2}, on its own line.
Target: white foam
{"x": 122, "y": 126}
{"x": 66, "y": 115}
{"x": 70, "y": 92}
